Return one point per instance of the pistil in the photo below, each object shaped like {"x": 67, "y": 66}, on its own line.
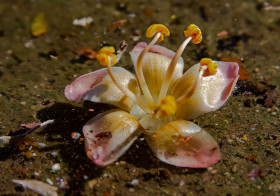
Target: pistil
{"x": 192, "y": 33}
{"x": 158, "y": 31}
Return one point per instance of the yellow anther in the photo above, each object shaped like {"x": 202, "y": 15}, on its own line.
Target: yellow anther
{"x": 106, "y": 55}
{"x": 157, "y": 28}
{"x": 167, "y": 106}
{"x": 211, "y": 66}
{"x": 194, "y": 32}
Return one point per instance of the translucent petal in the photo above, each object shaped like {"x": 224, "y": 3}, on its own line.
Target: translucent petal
{"x": 98, "y": 87}
{"x": 185, "y": 144}
{"x": 155, "y": 64}
{"x": 109, "y": 135}
{"x": 211, "y": 91}
{"x": 84, "y": 83}
{"x": 107, "y": 92}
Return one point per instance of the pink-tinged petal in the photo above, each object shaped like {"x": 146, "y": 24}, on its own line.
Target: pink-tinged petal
{"x": 107, "y": 92}
{"x": 155, "y": 64}
{"x": 184, "y": 144}
{"x": 84, "y": 83}
{"x": 109, "y": 135}
{"x": 155, "y": 49}
{"x": 210, "y": 93}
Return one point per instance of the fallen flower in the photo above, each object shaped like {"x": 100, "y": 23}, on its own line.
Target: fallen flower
{"x": 157, "y": 102}
{"x": 37, "y": 186}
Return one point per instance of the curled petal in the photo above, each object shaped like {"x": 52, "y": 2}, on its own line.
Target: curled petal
{"x": 184, "y": 144}
{"x": 211, "y": 91}
{"x": 109, "y": 135}
{"x": 155, "y": 64}
{"x": 107, "y": 92}
{"x": 84, "y": 83}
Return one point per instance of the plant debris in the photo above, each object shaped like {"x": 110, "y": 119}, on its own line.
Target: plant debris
{"x": 39, "y": 26}
{"x": 37, "y": 186}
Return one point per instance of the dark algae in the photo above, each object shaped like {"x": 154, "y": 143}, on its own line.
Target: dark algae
{"x": 34, "y": 70}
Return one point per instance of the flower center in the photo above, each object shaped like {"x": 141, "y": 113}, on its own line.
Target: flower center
{"x": 167, "y": 107}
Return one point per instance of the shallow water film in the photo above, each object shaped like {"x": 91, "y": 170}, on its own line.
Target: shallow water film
{"x": 45, "y": 45}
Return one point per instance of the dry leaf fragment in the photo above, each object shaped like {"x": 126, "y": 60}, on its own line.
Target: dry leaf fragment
{"x": 39, "y": 25}
{"x": 87, "y": 52}
{"x": 116, "y": 24}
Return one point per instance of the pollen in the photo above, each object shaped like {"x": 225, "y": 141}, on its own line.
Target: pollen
{"x": 157, "y": 28}
{"x": 167, "y": 106}
{"x": 106, "y": 56}
{"x": 211, "y": 66}
{"x": 194, "y": 32}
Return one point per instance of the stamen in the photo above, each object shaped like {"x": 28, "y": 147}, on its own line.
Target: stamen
{"x": 156, "y": 30}
{"x": 191, "y": 90}
{"x": 211, "y": 66}
{"x": 192, "y": 33}
{"x": 106, "y": 57}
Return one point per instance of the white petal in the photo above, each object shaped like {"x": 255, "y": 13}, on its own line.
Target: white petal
{"x": 155, "y": 64}
{"x": 109, "y": 135}
{"x": 183, "y": 143}
{"x": 107, "y": 92}
{"x": 211, "y": 91}
{"x": 84, "y": 83}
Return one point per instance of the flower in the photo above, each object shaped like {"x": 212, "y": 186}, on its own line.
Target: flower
{"x": 157, "y": 102}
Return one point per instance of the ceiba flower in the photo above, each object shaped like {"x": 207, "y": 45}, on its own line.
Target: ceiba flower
{"x": 158, "y": 102}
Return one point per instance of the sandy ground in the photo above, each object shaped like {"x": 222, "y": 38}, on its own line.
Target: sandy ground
{"x": 35, "y": 70}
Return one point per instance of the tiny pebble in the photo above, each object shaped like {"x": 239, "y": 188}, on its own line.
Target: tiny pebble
{"x": 75, "y": 135}
{"x": 105, "y": 175}
{"x": 83, "y": 21}
{"x": 134, "y": 182}
{"x": 22, "y": 103}
{"x": 54, "y": 153}
{"x": 56, "y": 167}
{"x": 36, "y": 174}
{"x": 34, "y": 154}
{"x": 85, "y": 177}
{"x": 41, "y": 144}
{"x": 229, "y": 141}
{"x": 29, "y": 44}
{"x": 210, "y": 168}
{"x": 49, "y": 181}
